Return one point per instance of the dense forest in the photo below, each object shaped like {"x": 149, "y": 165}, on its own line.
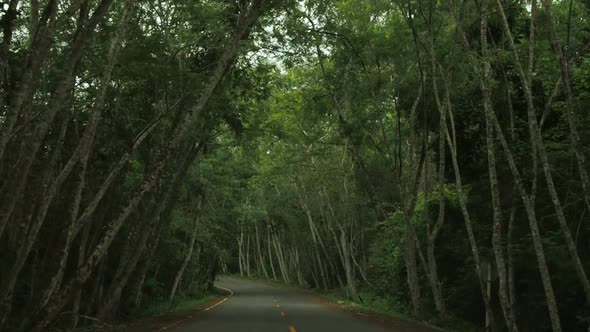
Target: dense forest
{"x": 428, "y": 157}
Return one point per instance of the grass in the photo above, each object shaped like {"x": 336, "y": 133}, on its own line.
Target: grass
{"x": 161, "y": 306}
{"x": 181, "y": 303}
{"x": 377, "y": 304}
{"x": 155, "y": 314}
{"x": 370, "y": 302}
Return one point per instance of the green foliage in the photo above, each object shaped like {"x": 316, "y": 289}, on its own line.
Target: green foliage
{"x": 182, "y": 303}
{"x": 301, "y": 163}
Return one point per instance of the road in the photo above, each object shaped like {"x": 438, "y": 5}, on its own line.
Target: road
{"x": 257, "y": 307}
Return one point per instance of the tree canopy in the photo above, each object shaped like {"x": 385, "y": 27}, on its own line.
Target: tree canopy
{"x": 424, "y": 157}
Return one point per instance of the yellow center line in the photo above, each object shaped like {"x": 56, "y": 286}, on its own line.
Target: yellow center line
{"x": 292, "y": 328}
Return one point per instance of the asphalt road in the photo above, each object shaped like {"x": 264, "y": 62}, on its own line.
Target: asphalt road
{"x": 256, "y": 307}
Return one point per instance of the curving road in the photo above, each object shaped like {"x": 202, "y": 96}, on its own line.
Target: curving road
{"x": 256, "y": 307}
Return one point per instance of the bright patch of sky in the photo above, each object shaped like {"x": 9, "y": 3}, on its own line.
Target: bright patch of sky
{"x": 83, "y": 85}
{"x": 277, "y": 46}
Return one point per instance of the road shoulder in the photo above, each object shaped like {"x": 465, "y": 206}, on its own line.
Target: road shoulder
{"x": 163, "y": 322}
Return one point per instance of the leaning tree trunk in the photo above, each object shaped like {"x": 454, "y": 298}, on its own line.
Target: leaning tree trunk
{"x": 281, "y": 258}
{"x": 14, "y": 192}
{"x": 495, "y": 192}
{"x": 572, "y": 109}
{"x": 241, "y": 263}
{"x": 129, "y": 256}
{"x": 53, "y": 187}
{"x": 269, "y": 247}
{"x": 247, "y": 255}
{"x": 348, "y": 267}
{"x": 538, "y": 141}
{"x": 186, "y": 259}
{"x": 435, "y": 283}
{"x": 80, "y": 156}
{"x": 128, "y": 263}
{"x": 451, "y": 143}
{"x": 51, "y": 311}
{"x": 535, "y": 233}
{"x": 133, "y": 297}
{"x": 432, "y": 234}
{"x": 342, "y": 245}
{"x": 261, "y": 263}
{"x": 315, "y": 238}
{"x": 41, "y": 38}
{"x": 411, "y": 241}
{"x": 412, "y": 273}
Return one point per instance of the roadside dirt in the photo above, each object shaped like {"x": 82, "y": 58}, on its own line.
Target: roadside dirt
{"x": 393, "y": 323}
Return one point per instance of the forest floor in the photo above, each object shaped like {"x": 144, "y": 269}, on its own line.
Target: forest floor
{"x": 154, "y": 319}
{"x": 394, "y": 321}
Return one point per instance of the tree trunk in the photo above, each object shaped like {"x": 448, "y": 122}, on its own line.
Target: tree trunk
{"x": 281, "y": 259}
{"x": 412, "y": 273}
{"x": 129, "y": 256}
{"x": 136, "y": 285}
{"x": 348, "y": 268}
{"x": 129, "y": 261}
{"x": 247, "y": 255}
{"x": 84, "y": 146}
{"x": 463, "y": 205}
{"x": 572, "y": 110}
{"x": 28, "y": 238}
{"x": 297, "y": 266}
{"x": 432, "y": 234}
{"x": 495, "y": 192}
{"x": 52, "y": 309}
{"x": 80, "y": 261}
{"x": 510, "y": 253}
{"x": 315, "y": 239}
{"x": 82, "y": 154}
{"x": 269, "y": 245}
{"x": 535, "y": 233}
{"x": 36, "y": 54}
{"x": 186, "y": 259}
{"x": 15, "y": 191}
{"x": 435, "y": 283}
{"x": 538, "y": 141}
{"x": 241, "y": 263}
{"x": 261, "y": 263}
